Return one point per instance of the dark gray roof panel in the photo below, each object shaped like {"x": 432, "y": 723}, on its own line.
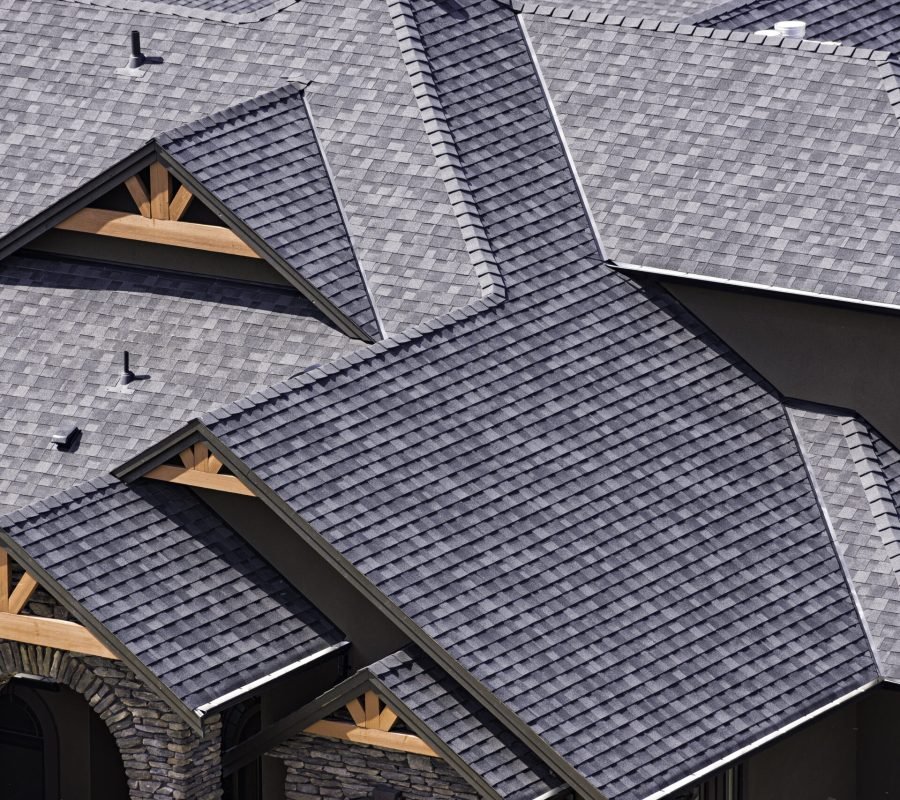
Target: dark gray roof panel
{"x": 64, "y": 325}
{"x": 731, "y": 160}
{"x": 261, "y": 160}
{"x": 579, "y": 494}
{"x": 70, "y": 113}
{"x": 178, "y": 587}
{"x": 864, "y": 23}
{"x": 464, "y": 726}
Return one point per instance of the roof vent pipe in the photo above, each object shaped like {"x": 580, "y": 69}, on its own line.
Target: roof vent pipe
{"x": 127, "y": 374}
{"x": 137, "y": 57}
{"x": 791, "y": 29}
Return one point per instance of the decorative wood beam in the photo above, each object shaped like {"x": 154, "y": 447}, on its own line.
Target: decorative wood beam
{"x": 122, "y": 225}
{"x": 349, "y": 732}
{"x": 386, "y": 719}
{"x": 138, "y": 193}
{"x": 372, "y": 710}
{"x": 357, "y": 713}
{"x": 160, "y": 190}
{"x": 5, "y": 577}
{"x": 202, "y": 480}
{"x": 180, "y": 203}
{"x": 22, "y": 594}
{"x": 58, "y": 633}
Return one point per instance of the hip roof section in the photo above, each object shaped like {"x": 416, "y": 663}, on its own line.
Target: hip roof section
{"x": 183, "y": 592}
{"x": 579, "y": 494}
{"x": 870, "y": 23}
{"x": 710, "y": 155}
{"x": 857, "y": 473}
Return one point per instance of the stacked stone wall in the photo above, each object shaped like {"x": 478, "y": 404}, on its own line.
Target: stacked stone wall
{"x": 163, "y": 757}
{"x": 327, "y": 768}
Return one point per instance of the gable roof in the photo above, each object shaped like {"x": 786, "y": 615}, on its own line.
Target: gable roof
{"x": 195, "y": 342}
{"x": 870, "y": 23}
{"x": 262, "y": 161}
{"x": 857, "y": 473}
{"x": 717, "y": 156}
{"x": 71, "y": 112}
{"x": 578, "y": 494}
{"x": 162, "y": 573}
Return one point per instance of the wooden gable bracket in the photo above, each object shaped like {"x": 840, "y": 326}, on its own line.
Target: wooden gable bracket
{"x": 372, "y": 723}
{"x": 159, "y": 220}
{"x": 199, "y": 468}
{"x": 43, "y": 631}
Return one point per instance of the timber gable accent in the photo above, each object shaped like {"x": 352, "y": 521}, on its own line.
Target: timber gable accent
{"x": 43, "y": 631}
{"x": 158, "y": 219}
{"x": 197, "y": 466}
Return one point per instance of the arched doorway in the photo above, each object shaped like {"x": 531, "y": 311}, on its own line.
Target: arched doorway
{"x": 51, "y": 738}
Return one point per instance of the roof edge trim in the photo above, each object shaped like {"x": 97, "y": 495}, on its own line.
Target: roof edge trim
{"x": 169, "y": 9}
{"x": 756, "y": 745}
{"x": 249, "y": 687}
{"x": 99, "y": 630}
{"x": 252, "y": 239}
{"x": 560, "y": 133}
{"x": 343, "y": 215}
{"x": 761, "y": 287}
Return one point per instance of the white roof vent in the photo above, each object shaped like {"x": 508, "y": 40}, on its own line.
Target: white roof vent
{"x": 791, "y": 29}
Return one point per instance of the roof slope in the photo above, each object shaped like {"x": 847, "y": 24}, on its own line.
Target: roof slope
{"x": 579, "y": 494}
{"x": 731, "y": 160}
{"x": 464, "y": 726}
{"x": 858, "y": 475}
{"x": 261, "y": 160}
{"x": 195, "y": 341}
{"x": 70, "y": 113}
{"x": 178, "y": 587}
{"x": 864, "y": 23}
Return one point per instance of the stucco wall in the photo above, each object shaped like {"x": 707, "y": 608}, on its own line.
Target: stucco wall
{"x": 162, "y": 756}
{"x": 326, "y": 768}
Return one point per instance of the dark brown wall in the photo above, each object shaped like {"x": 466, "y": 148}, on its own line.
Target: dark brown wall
{"x": 878, "y": 774}
{"x": 836, "y": 355}
{"x": 371, "y": 634}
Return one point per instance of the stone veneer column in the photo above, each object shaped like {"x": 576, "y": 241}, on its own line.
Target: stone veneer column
{"x": 163, "y": 757}
{"x": 328, "y": 768}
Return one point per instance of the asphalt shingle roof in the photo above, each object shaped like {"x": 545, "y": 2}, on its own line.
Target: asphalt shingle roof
{"x": 578, "y": 493}
{"x": 864, "y": 23}
{"x": 261, "y": 160}
{"x": 178, "y": 587}
{"x": 857, "y": 473}
{"x": 64, "y": 325}
{"x": 731, "y": 160}
{"x": 464, "y": 726}
{"x": 70, "y": 113}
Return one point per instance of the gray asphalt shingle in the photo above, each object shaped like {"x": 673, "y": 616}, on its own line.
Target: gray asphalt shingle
{"x": 732, "y": 160}
{"x": 261, "y": 160}
{"x": 178, "y": 587}
{"x": 464, "y": 726}
{"x": 578, "y": 493}
{"x": 64, "y": 325}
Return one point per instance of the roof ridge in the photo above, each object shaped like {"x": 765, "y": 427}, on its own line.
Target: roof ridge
{"x": 881, "y": 501}
{"x": 444, "y": 147}
{"x": 272, "y": 8}
{"x": 687, "y": 29}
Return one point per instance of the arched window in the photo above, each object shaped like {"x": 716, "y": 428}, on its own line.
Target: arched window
{"x": 28, "y": 746}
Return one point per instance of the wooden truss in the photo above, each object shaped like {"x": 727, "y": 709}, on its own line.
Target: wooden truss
{"x": 372, "y": 723}
{"x": 159, "y": 220}
{"x": 199, "y": 468}
{"x": 57, "y": 633}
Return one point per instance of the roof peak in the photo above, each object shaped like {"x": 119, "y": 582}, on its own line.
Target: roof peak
{"x": 235, "y": 12}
